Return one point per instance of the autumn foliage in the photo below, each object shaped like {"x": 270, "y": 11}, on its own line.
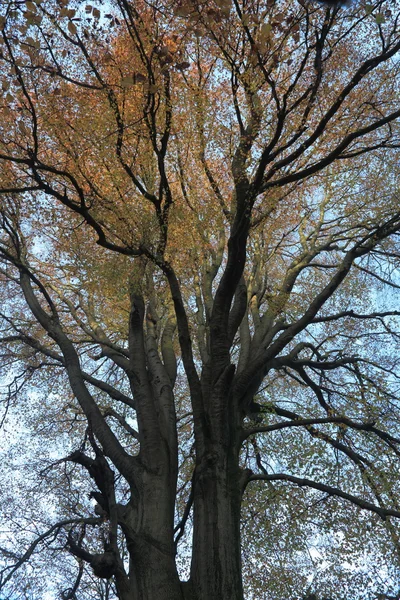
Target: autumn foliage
{"x": 199, "y": 248}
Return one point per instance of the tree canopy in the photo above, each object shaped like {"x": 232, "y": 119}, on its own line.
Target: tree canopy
{"x": 199, "y": 325}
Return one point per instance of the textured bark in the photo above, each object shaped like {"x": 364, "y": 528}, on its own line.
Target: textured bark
{"x": 148, "y": 526}
{"x": 216, "y": 564}
{"x": 155, "y": 576}
{"x": 216, "y": 554}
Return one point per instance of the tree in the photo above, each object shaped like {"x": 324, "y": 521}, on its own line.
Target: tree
{"x": 199, "y": 243}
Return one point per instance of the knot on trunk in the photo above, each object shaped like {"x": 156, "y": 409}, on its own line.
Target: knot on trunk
{"x": 103, "y": 565}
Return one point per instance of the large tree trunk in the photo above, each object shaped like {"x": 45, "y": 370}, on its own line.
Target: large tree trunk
{"x": 155, "y": 574}
{"x": 216, "y": 562}
{"x": 149, "y": 535}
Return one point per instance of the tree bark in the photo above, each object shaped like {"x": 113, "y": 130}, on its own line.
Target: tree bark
{"x": 148, "y": 526}
{"x": 216, "y": 561}
{"x": 155, "y": 575}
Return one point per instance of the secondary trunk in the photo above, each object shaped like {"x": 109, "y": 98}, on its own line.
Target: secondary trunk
{"x": 155, "y": 575}
{"x": 216, "y": 562}
{"x": 148, "y": 527}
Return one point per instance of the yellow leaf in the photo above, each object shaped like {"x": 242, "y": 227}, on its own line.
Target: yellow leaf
{"x": 265, "y": 32}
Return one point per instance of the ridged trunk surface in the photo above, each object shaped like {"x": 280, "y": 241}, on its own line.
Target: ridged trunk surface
{"x": 156, "y": 577}
{"x": 150, "y": 540}
{"x": 216, "y": 562}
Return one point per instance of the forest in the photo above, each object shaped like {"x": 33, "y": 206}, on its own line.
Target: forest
{"x": 199, "y": 314}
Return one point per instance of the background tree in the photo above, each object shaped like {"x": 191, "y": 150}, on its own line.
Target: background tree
{"x": 199, "y": 243}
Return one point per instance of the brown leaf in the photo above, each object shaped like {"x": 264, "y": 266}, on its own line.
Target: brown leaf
{"x": 139, "y": 78}
{"x": 72, "y": 28}
{"x": 31, "y": 6}
{"x": 182, "y": 66}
